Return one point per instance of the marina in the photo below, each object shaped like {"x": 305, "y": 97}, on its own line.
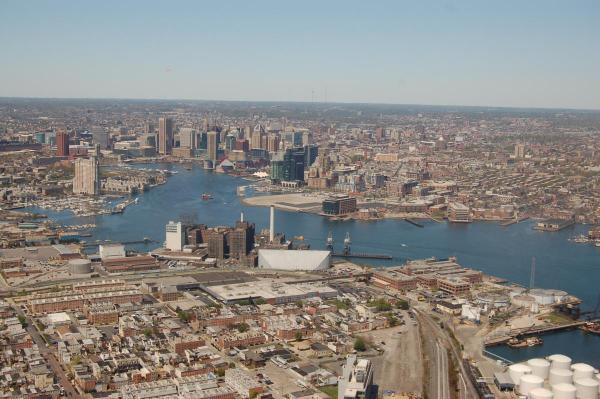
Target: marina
{"x": 493, "y": 249}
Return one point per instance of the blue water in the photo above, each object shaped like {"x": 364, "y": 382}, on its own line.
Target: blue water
{"x": 501, "y": 251}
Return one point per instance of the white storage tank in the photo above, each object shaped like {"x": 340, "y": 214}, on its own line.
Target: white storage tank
{"x": 560, "y": 361}
{"x": 539, "y": 367}
{"x": 564, "y": 391}
{"x": 582, "y": 370}
{"x": 587, "y": 388}
{"x": 542, "y": 296}
{"x": 517, "y": 370}
{"x": 560, "y": 376}
{"x": 80, "y": 266}
{"x": 529, "y": 382}
{"x": 540, "y": 393}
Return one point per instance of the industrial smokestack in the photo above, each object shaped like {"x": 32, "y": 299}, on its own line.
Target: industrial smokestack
{"x": 272, "y": 225}
{"x": 242, "y": 217}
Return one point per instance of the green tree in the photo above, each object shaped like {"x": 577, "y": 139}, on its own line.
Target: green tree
{"x": 242, "y": 327}
{"x": 360, "y": 345}
{"x": 402, "y": 304}
{"x": 298, "y": 336}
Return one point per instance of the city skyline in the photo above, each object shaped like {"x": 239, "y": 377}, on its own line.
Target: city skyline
{"x": 538, "y": 55}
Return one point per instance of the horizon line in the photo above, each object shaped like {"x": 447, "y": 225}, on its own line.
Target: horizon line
{"x": 306, "y": 102}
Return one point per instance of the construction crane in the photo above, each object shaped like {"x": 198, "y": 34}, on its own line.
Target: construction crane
{"x": 330, "y": 241}
{"x": 347, "y": 243}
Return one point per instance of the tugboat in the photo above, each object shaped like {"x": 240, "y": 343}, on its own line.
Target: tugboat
{"x": 524, "y": 343}
{"x": 591, "y": 327}
{"x": 206, "y": 197}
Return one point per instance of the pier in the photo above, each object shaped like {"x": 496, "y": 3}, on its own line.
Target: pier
{"x": 96, "y": 243}
{"x": 347, "y": 253}
{"x": 362, "y": 255}
{"x": 413, "y": 222}
{"x": 523, "y": 332}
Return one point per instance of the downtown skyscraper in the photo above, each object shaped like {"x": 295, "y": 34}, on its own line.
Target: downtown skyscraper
{"x": 165, "y": 136}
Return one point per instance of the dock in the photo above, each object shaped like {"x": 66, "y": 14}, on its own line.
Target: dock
{"x": 523, "y": 332}
{"x": 513, "y": 221}
{"x": 413, "y": 222}
{"x": 362, "y": 255}
{"x": 96, "y": 243}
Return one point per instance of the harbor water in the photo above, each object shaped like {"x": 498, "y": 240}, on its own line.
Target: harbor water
{"x": 505, "y": 252}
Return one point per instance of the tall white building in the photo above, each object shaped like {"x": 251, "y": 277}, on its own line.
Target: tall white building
{"x": 174, "y": 240}
{"x": 356, "y": 381}
{"x": 187, "y": 138}
{"x": 87, "y": 176}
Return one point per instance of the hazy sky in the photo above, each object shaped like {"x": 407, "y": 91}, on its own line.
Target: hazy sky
{"x": 506, "y": 53}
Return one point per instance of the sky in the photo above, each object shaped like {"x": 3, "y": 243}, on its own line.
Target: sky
{"x": 529, "y": 53}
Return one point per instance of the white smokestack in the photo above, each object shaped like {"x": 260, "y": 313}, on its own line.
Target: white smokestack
{"x": 242, "y": 217}
{"x": 272, "y": 225}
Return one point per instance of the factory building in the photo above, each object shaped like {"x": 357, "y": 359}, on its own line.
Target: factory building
{"x": 393, "y": 278}
{"x": 175, "y": 239}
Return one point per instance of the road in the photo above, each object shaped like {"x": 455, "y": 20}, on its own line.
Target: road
{"x": 442, "y": 383}
{"x": 47, "y": 354}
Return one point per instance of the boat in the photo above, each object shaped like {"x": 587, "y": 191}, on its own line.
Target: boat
{"x": 591, "y": 327}
{"x": 206, "y": 197}
{"x": 524, "y": 343}
{"x": 299, "y": 238}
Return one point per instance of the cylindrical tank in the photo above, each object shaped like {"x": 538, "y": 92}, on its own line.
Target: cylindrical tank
{"x": 542, "y": 296}
{"x": 517, "y": 370}
{"x": 539, "y": 367}
{"x": 560, "y": 376}
{"x": 529, "y": 382}
{"x": 587, "y": 388}
{"x": 559, "y": 361}
{"x": 564, "y": 391}
{"x": 80, "y": 266}
{"x": 540, "y": 393}
{"x": 582, "y": 370}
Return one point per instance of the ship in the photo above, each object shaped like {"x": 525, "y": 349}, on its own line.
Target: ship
{"x": 206, "y": 197}
{"x": 524, "y": 343}
{"x": 591, "y": 327}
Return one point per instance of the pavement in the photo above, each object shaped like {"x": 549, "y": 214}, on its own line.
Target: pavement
{"x": 47, "y": 354}
{"x": 400, "y": 367}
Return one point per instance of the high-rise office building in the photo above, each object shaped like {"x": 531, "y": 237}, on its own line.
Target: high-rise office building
{"x": 165, "y": 136}
{"x": 212, "y": 144}
{"x": 310, "y": 155}
{"x": 273, "y": 143}
{"x": 62, "y": 144}
{"x": 100, "y": 136}
{"x": 187, "y": 138}
{"x": 519, "y": 150}
{"x": 87, "y": 176}
{"x": 288, "y": 166}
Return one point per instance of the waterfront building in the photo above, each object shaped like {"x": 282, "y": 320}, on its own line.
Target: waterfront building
{"x": 339, "y": 205}
{"x": 87, "y": 176}
{"x": 459, "y": 213}
{"x": 212, "y": 144}
{"x": 293, "y": 259}
{"x": 175, "y": 239}
{"x": 165, "y": 136}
